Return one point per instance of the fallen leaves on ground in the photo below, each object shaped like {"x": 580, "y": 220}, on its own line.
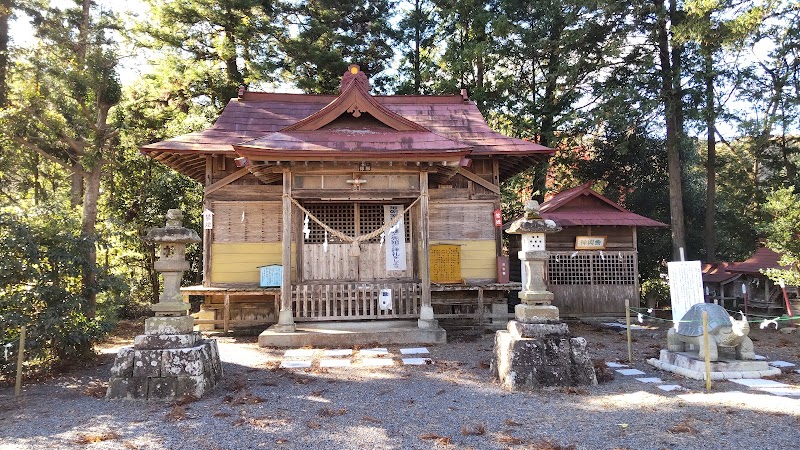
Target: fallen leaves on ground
{"x": 176, "y": 414}
{"x": 370, "y": 419}
{"x": 90, "y": 438}
{"x": 331, "y": 412}
{"x": 444, "y": 440}
{"x": 473, "y": 430}
{"x": 682, "y": 427}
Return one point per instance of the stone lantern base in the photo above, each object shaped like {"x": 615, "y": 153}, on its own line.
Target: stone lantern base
{"x": 531, "y": 355}
{"x": 167, "y": 362}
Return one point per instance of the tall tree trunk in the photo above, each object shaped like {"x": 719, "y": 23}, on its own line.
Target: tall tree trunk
{"x": 5, "y": 13}
{"x": 417, "y": 44}
{"x": 76, "y": 185}
{"x": 710, "y": 231}
{"x": 89, "y": 235}
{"x": 669, "y": 98}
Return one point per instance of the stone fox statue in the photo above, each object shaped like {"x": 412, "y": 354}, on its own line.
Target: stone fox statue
{"x": 723, "y": 331}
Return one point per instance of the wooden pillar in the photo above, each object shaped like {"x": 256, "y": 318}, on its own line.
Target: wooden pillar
{"x": 209, "y": 179}
{"x": 286, "y": 316}
{"x": 426, "y": 319}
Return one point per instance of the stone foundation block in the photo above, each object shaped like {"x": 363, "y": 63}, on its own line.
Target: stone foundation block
{"x": 546, "y": 328}
{"x": 147, "y": 363}
{"x": 535, "y": 313}
{"x": 185, "y": 362}
{"x": 166, "y": 341}
{"x": 162, "y": 388}
{"x": 195, "y": 386}
{"x": 169, "y": 325}
{"x": 129, "y": 388}
{"x": 123, "y": 364}
{"x": 527, "y": 363}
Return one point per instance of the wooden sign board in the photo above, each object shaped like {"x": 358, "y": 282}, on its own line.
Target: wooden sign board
{"x": 590, "y": 242}
{"x": 685, "y": 287}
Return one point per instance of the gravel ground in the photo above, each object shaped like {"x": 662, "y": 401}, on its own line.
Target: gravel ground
{"x": 451, "y": 403}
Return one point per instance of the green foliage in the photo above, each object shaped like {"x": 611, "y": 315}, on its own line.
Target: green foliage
{"x": 41, "y": 288}
{"x": 783, "y": 233}
{"x": 655, "y": 293}
{"x": 333, "y": 34}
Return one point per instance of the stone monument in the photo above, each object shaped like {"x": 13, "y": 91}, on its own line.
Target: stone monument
{"x": 536, "y": 349}
{"x": 730, "y": 350}
{"x": 169, "y": 360}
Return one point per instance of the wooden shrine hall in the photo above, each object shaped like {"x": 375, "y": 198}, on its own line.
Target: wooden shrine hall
{"x": 321, "y": 209}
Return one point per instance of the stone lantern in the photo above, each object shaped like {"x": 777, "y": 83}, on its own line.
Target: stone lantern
{"x": 536, "y": 349}
{"x": 535, "y": 298}
{"x": 170, "y": 360}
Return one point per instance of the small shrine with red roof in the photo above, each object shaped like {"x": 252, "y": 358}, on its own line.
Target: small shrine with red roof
{"x": 728, "y": 283}
{"x": 349, "y": 207}
{"x": 593, "y": 265}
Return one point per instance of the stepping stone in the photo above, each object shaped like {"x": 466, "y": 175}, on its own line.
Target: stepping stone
{"x": 760, "y": 357}
{"x": 759, "y": 383}
{"x": 373, "y": 352}
{"x": 414, "y": 351}
{"x": 334, "y": 363}
{"x": 650, "y": 380}
{"x": 302, "y": 364}
{"x": 615, "y": 365}
{"x": 630, "y": 372}
{"x": 781, "y": 364}
{"x": 417, "y": 361}
{"x": 377, "y": 362}
{"x": 338, "y": 352}
{"x": 299, "y": 353}
{"x": 670, "y": 387}
{"x": 789, "y": 391}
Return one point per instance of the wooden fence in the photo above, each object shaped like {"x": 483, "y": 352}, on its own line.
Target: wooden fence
{"x": 354, "y": 301}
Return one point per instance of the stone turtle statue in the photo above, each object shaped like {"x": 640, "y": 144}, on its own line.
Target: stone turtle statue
{"x": 723, "y": 331}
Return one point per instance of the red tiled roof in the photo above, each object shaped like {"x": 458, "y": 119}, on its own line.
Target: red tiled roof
{"x": 581, "y": 206}
{"x": 763, "y": 258}
{"x": 717, "y": 273}
{"x": 444, "y": 125}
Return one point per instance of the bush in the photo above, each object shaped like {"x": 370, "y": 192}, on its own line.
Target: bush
{"x": 41, "y": 285}
{"x": 655, "y": 293}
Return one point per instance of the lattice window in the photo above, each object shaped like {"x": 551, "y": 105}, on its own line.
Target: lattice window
{"x": 584, "y": 268}
{"x": 342, "y": 217}
{"x": 566, "y": 269}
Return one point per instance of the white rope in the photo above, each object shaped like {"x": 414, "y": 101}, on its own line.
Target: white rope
{"x": 357, "y": 239}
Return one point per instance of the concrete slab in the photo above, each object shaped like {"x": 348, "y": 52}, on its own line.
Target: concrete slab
{"x": 670, "y": 387}
{"x": 345, "y": 334}
{"x": 372, "y": 352}
{"x": 629, "y": 372}
{"x": 781, "y": 364}
{"x": 655, "y": 380}
{"x": 615, "y": 365}
{"x": 417, "y": 361}
{"x": 414, "y": 351}
{"x": 302, "y": 364}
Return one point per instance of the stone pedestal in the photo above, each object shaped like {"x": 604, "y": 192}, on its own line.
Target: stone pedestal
{"x": 165, "y": 367}
{"x": 169, "y": 360}
{"x": 536, "y": 349}
{"x": 532, "y": 355}
{"x": 690, "y": 365}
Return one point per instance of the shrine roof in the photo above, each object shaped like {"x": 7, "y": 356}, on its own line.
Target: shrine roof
{"x": 717, "y": 273}
{"x": 762, "y": 258}
{"x": 582, "y": 206}
{"x": 274, "y": 124}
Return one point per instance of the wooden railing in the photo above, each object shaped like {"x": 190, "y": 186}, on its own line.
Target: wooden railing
{"x": 354, "y": 301}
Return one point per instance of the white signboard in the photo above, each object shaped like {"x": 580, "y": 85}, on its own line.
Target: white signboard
{"x": 395, "y": 239}
{"x": 685, "y": 287}
{"x": 208, "y": 220}
{"x": 385, "y": 299}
